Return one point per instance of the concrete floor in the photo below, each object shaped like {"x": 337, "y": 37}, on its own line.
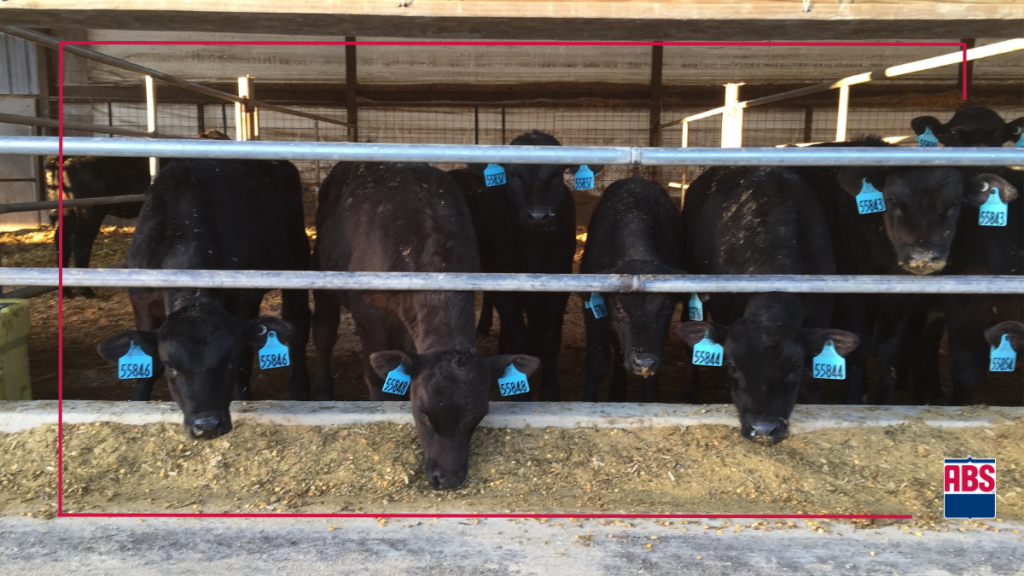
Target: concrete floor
{"x": 214, "y": 547}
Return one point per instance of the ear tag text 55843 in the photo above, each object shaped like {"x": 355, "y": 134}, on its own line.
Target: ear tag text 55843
{"x": 707, "y": 352}
{"x": 513, "y": 381}
{"x": 494, "y": 175}
{"x": 993, "y": 212}
{"x": 273, "y": 354}
{"x": 869, "y": 199}
{"x": 134, "y": 364}
{"x": 829, "y": 365}
{"x": 397, "y": 381}
{"x": 1003, "y": 358}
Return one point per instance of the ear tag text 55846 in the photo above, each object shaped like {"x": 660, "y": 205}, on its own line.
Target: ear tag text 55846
{"x": 397, "y": 381}
{"x": 513, "y": 381}
{"x": 1002, "y": 359}
{"x": 869, "y": 199}
{"x": 273, "y": 354}
{"x": 596, "y": 305}
{"x": 993, "y": 212}
{"x": 707, "y": 352}
{"x": 829, "y": 365}
{"x": 134, "y": 364}
{"x": 494, "y": 175}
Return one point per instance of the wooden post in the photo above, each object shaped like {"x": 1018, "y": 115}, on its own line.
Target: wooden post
{"x": 154, "y": 163}
{"x": 961, "y": 81}
{"x": 352, "y": 115}
{"x": 732, "y": 119}
{"x": 808, "y": 123}
{"x": 844, "y": 106}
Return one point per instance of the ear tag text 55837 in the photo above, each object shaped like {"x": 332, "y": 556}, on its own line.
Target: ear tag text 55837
{"x": 134, "y": 364}
{"x": 584, "y": 178}
{"x": 695, "y": 308}
{"x": 869, "y": 199}
{"x": 397, "y": 381}
{"x": 993, "y": 212}
{"x": 707, "y": 352}
{"x": 1002, "y": 359}
{"x": 273, "y": 354}
{"x": 829, "y": 365}
{"x": 494, "y": 175}
{"x": 596, "y": 305}
{"x": 513, "y": 381}
{"x": 927, "y": 139}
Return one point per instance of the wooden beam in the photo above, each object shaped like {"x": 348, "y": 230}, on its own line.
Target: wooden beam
{"x": 734, "y": 20}
{"x": 657, "y": 56}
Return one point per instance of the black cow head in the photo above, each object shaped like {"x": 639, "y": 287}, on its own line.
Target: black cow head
{"x": 200, "y": 349}
{"x": 1014, "y": 332}
{"x": 972, "y": 126}
{"x": 536, "y": 189}
{"x": 641, "y": 321}
{"x": 766, "y": 357}
{"x": 448, "y": 394}
{"x": 922, "y": 206}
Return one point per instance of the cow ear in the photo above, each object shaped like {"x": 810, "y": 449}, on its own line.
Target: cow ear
{"x": 921, "y": 123}
{"x": 1014, "y": 129}
{"x": 843, "y": 341}
{"x": 1014, "y": 332}
{"x": 694, "y": 332}
{"x": 387, "y": 360}
{"x": 525, "y": 364}
{"x": 113, "y": 348}
{"x": 979, "y": 188}
{"x": 852, "y": 179}
{"x": 255, "y": 331}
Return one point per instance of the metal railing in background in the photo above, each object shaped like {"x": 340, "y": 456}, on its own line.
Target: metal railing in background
{"x": 75, "y": 203}
{"x": 47, "y": 123}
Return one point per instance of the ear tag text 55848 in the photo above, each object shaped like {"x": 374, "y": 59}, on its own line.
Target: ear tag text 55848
{"x": 513, "y": 381}
{"x": 397, "y": 381}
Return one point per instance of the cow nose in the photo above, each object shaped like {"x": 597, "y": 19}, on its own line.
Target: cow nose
{"x": 766, "y": 430}
{"x": 206, "y": 427}
{"x": 763, "y": 429}
{"x": 539, "y": 217}
{"x": 924, "y": 262}
{"x": 644, "y": 364}
{"x": 441, "y": 481}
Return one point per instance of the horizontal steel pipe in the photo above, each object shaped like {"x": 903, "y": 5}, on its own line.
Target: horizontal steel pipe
{"x": 512, "y": 282}
{"x": 76, "y": 203}
{"x": 606, "y": 155}
{"x": 47, "y": 123}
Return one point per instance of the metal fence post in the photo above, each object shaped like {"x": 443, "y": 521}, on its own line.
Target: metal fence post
{"x": 245, "y": 116}
{"x": 844, "y": 105}
{"x": 732, "y": 118}
{"x": 154, "y": 163}
{"x": 316, "y": 163}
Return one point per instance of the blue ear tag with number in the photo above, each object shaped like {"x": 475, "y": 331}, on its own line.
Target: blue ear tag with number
{"x": 869, "y": 199}
{"x": 927, "y": 140}
{"x": 829, "y": 365}
{"x": 1002, "y": 359}
{"x": 494, "y": 175}
{"x": 695, "y": 308}
{"x": 134, "y": 364}
{"x": 596, "y": 305}
{"x": 584, "y": 178}
{"x": 513, "y": 382}
{"x": 993, "y": 211}
{"x": 397, "y": 382}
{"x": 273, "y": 354}
{"x": 707, "y": 352}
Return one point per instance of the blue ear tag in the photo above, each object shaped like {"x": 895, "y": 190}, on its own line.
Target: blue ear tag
{"x": 494, "y": 175}
{"x": 513, "y": 382}
{"x": 397, "y": 382}
{"x": 993, "y": 211}
{"x": 584, "y": 178}
{"x": 869, "y": 199}
{"x": 596, "y": 305}
{"x": 829, "y": 365}
{"x": 707, "y": 352}
{"x": 927, "y": 140}
{"x": 695, "y": 308}
{"x": 134, "y": 364}
{"x": 1002, "y": 359}
{"x": 273, "y": 354}
{"x": 1020, "y": 141}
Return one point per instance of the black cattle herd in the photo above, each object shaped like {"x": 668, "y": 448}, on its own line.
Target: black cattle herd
{"x": 421, "y": 345}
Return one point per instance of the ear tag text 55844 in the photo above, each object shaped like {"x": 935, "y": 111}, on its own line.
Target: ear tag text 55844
{"x": 596, "y": 305}
{"x": 993, "y": 212}
{"x": 927, "y": 139}
{"x": 584, "y": 178}
{"x": 134, "y": 364}
{"x": 695, "y": 308}
{"x": 829, "y": 365}
{"x": 513, "y": 381}
{"x": 273, "y": 354}
{"x": 397, "y": 381}
{"x": 707, "y": 352}
{"x": 869, "y": 199}
{"x": 1002, "y": 359}
{"x": 494, "y": 175}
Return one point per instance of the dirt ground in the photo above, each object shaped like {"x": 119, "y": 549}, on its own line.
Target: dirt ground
{"x": 89, "y": 321}
{"x": 378, "y": 469}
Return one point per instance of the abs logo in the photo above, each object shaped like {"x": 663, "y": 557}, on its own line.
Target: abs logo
{"x": 970, "y": 487}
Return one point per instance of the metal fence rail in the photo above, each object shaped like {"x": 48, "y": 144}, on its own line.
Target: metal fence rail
{"x": 77, "y": 203}
{"x": 121, "y": 278}
{"x": 594, "y": 155}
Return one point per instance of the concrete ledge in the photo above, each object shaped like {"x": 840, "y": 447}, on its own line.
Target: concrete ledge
{"x": 16, "y": 416}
